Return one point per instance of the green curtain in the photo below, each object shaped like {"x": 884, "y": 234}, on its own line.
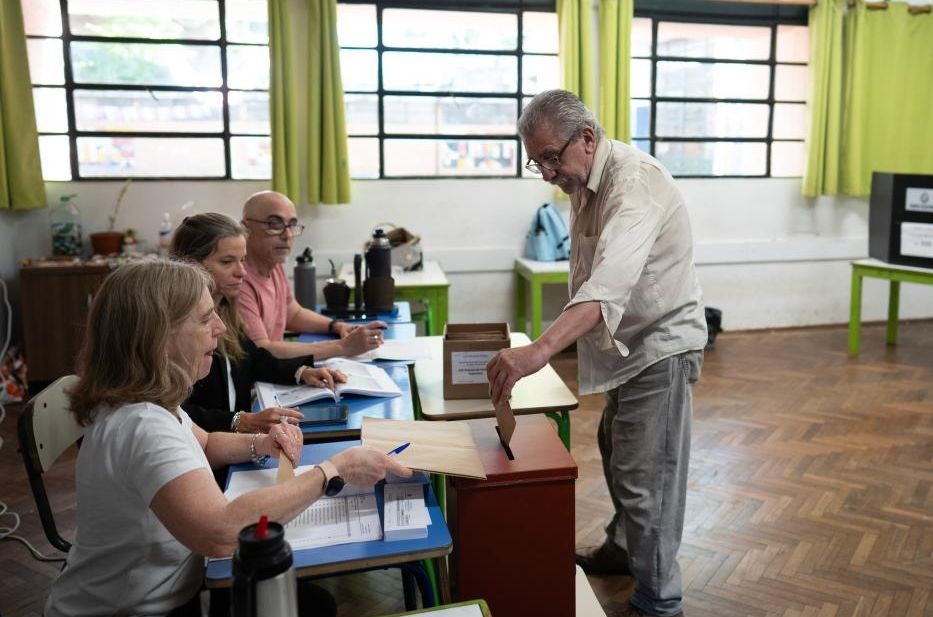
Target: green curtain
{"x": 309, "y": 132}
{"x": 21, "y": 184}
{"x": 574, "y": 22}
{"x": 615, "y": 59}
{"x": 821, "y": 176}
{"x": 889, "y": 97}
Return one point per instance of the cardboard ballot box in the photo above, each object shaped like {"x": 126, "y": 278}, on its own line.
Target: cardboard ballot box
{"x": 900, "y": 219}
{"x": 467, "y": 349}
{"x": 513, "y": 532}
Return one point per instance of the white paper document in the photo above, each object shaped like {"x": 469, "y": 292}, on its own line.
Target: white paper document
{"x": 398, "y": 349}
{"x": 351, "y": 516}
{"x": 405, "y": 514}
{"x": 364, "y": 379}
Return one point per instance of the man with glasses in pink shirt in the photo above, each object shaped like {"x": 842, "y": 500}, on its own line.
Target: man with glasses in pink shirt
{"x": 266, "y": 303}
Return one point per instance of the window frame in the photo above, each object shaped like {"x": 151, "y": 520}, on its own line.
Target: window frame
{"x": 69, "y": 86}
{"x": 730, "y": 14}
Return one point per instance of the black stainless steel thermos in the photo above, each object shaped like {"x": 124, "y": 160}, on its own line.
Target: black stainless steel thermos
{"x": 263, "y": 576}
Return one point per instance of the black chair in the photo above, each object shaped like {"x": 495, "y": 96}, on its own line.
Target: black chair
{"x": 46, "y": 429}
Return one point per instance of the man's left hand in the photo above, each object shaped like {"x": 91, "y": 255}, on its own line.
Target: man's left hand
{"x": 510, "y": 365}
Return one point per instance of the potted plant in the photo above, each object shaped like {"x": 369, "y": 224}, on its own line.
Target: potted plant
{"x": 110, "y": 241}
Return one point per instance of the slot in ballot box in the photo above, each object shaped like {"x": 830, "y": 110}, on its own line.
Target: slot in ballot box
{"x": 513, "y": 533}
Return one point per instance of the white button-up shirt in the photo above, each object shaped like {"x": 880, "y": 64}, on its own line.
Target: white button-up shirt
{"x": 632, "y": 251}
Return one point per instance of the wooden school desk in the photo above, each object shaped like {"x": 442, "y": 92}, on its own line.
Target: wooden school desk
{"x": 536, "y": 274}
{"x": 894, "y": 273}
{"x": 346, "y": 558}
{"x": 429, "y": 285}
{"x": 542, "y": 392}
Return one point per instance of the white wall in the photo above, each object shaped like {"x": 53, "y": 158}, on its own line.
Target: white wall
{"x": 766, "y": 256}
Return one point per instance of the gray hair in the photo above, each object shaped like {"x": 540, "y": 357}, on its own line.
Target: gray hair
{"x": 562, "y": 110}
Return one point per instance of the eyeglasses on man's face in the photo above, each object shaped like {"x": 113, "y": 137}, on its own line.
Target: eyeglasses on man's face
{"x": 275, "y": 226}
{"x": 550, "y": 163}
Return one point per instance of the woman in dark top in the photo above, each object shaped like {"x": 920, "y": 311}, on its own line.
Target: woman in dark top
{"x": 221, "y": 401}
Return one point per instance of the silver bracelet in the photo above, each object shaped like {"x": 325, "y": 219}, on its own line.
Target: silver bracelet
{"x": 235, "y": 423}
{"x": 253, "y": 456}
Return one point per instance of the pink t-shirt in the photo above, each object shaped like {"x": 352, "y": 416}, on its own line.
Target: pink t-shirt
{"x": 263, "y": 302}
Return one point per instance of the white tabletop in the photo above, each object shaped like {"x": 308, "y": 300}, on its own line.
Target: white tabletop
{"x": 877, "y": 263}
{"x": 431, "y": 276}
{"x": 542, "y": 267}
{"x": 541, "y": 392}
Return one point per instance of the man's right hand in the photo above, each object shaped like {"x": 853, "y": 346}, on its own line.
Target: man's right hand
{"x": 364, "y": 467}
{"x": 362, "y": 339}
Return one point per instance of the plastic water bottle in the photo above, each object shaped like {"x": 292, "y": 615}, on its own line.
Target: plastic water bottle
{"x": 165, "y": 235}
{"x": 306, "y": 280}
{"x": 66, "y": 228}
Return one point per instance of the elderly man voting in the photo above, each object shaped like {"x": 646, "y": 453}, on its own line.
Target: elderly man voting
{"x": 636, "y": 314}
{"x": 266, "y": 302}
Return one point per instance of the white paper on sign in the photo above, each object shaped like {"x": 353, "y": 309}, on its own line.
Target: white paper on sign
{"x": 469, "y": 366}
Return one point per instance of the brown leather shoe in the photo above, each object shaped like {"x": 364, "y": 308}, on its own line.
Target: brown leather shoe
{"x": 603, "y": 559}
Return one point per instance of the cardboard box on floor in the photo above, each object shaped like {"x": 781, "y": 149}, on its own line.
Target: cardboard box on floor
{"x": 467, "y": 349}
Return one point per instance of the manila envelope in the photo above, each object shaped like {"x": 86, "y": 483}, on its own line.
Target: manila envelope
{"x": 437, "y": 447}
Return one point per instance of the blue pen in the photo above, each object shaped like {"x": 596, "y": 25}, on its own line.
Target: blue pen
{"x": 398, "y": 449}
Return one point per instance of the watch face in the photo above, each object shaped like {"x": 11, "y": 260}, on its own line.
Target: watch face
{"x": 334, "y": 486}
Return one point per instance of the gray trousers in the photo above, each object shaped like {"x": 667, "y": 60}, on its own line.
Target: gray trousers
{"x": 644, "y": 439}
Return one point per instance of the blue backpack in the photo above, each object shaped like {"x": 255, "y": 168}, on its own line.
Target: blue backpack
{"x": 547, "y": 240}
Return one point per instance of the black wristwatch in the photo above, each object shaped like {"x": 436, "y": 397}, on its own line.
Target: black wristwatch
{"x": 333, "y": 483}
{"x": 332, "y": 327}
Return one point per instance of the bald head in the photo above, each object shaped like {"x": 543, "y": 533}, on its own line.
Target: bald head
{"x": 264, "y": 249}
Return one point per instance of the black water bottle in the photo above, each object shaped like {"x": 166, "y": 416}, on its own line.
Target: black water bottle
{"x": 306, "y": 280}
{"x": 379, "y": 255}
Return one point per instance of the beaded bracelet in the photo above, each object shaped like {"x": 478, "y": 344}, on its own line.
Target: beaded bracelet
{"x": 253, "y": 456}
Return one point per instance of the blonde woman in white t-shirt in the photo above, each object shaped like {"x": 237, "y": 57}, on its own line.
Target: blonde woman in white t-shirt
{"x": 148, "y": 506}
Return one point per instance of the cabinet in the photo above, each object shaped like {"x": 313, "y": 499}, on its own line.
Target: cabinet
{"x": 55, "y": 300}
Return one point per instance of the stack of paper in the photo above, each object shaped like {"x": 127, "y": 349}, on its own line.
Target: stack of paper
{"x": 406, "y": 517}
{"x": 397, "y": 349}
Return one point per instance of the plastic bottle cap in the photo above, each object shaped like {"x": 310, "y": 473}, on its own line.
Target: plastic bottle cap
{"x": 262, "y": 529}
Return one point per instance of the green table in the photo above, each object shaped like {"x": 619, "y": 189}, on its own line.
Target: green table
{"x": 894, "y": 273}
{"x": 428, "y": 285}
{"x": 530, "y": 276}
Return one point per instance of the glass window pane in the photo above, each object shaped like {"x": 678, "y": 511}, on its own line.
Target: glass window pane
{"x": 356, "y": 25}
{"x": 166, "y": 19}
{"x": 791, "y": 83}
{"x": 51, "y": 110}
{"x": 249, "y": 113}
{"x": 359, "y": 70}
{"x": 540, "y": 73}
{"x": 427, "y": 72}
{"x": 713, "y": 80}
{"x": 446, "y": 157}
{"x": 362, "y": 112}
{"x": 251, "y": 157}
{"x": 642, "y": 144}
{"x": 449, "y": 29}
{"x": 640, "y": 118}
{"x": 364, "y": 157}
{"x": 248, "y": 67}
{"x": 793, "y": 44}
{"x": 247, "y": 21}
{"x": 155, "y": 111}
{"x": 56, "y": 157}
{"x": 539, "y": 32}
{"x": 641, "y": 37}
{"x": 640, "y": 83}
{"x": 788, "y": 159}
{"x": 692, "y": 40}
{"x": 146, "y": 64}
{"x": 46, "y": 61}
{"x": 121, "y": 157}
{"x": 790, "y": 121}
{"x": 712, "y": 120}
{"x": 449, "y": 115}
{"x": 712, "y": 158}
{"x": 42, "y": 17}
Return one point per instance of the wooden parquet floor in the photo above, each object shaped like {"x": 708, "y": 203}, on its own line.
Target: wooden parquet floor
{"x": 810, "y": 495}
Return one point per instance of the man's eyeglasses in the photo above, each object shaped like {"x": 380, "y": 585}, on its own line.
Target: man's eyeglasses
{"x": 275, "y": 226}
{"x": 550, "y": 164}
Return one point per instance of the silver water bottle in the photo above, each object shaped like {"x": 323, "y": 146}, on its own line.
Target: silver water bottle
{"x": 263, "y": 576}
{"x": 306, "y": 280}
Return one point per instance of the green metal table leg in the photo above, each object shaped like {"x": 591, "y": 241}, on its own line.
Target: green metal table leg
{"x": 519, "y": 303}
{"x": 431, "y": 571}
{"x": 894, "y": 297}
{"x": 536, "y": 307}
{"x": 855, "y": 312}
{"x": 562, "y": 419}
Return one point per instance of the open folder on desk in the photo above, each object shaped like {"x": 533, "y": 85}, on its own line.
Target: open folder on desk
{"x": 437, "y": 447}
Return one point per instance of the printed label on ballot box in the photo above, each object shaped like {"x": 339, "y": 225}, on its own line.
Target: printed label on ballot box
{"x": 469, "y": 366}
